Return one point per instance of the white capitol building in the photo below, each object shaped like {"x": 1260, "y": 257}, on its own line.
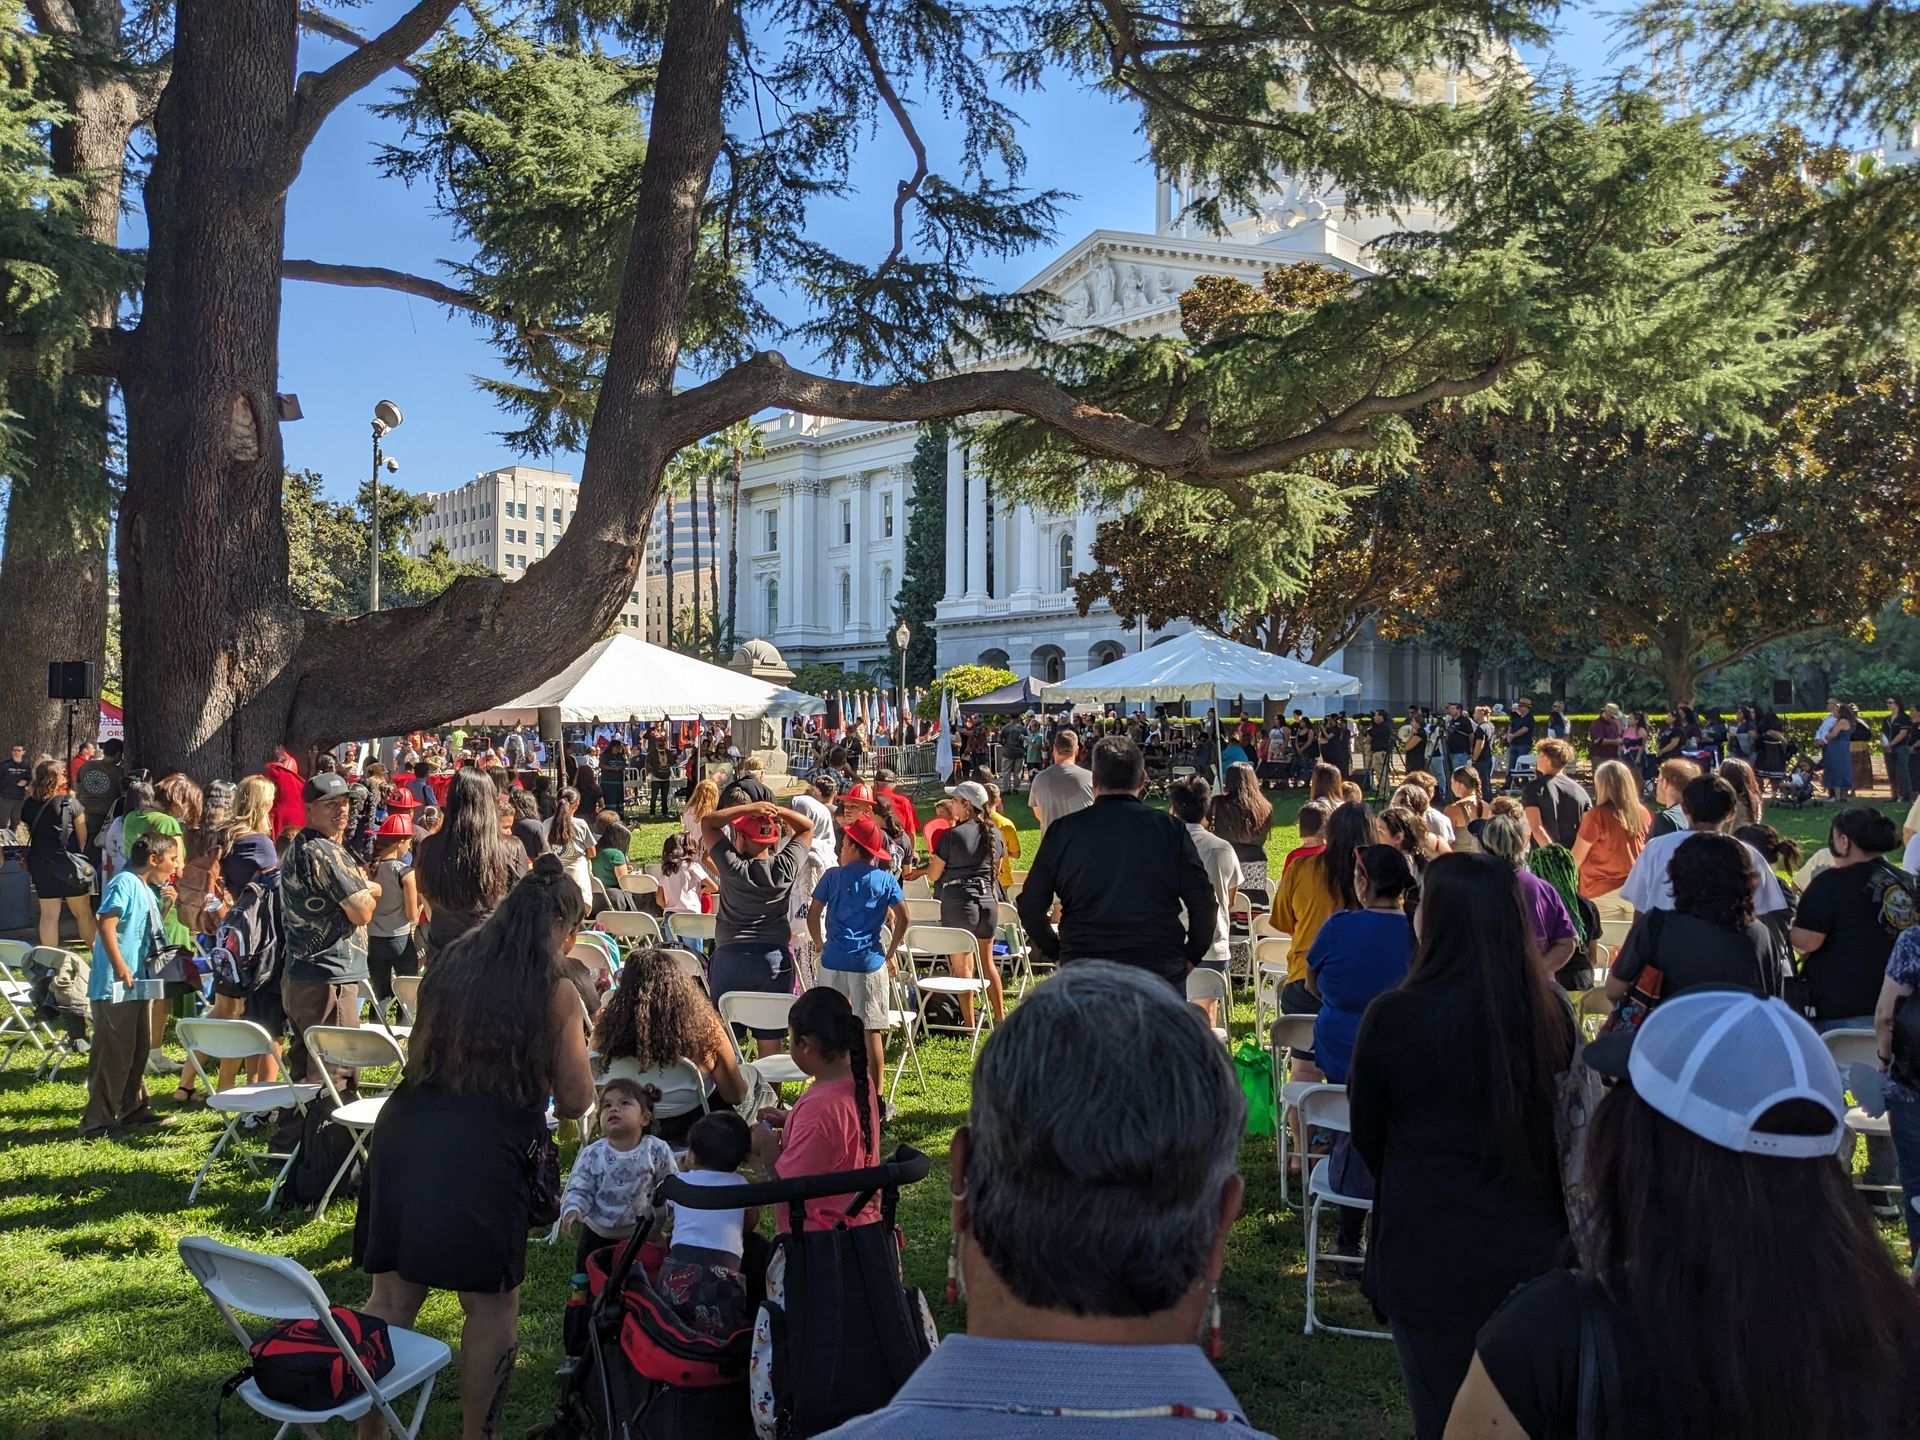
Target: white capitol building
{"x": 823, "y": 512}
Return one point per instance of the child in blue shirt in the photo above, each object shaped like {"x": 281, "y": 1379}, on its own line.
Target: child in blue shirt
{"x": 847, "y": 919}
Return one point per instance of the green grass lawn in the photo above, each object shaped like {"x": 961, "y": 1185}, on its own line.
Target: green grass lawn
{"x": 106, "y": 1336}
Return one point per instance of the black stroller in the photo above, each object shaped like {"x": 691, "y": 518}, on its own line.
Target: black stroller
{"x": 844, "y": 1336}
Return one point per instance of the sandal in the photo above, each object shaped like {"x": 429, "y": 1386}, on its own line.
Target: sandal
{"x": 186, "y": 1095}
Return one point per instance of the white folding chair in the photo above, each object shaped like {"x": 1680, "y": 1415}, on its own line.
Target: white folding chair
{"x": 1015, "y": 886}
{"x": 599, "y": 902}
{"x": 923, "y": 912}
{"x": 1324, "y": 1107}
{"x": 1269, "y": 977}
{"x": 16, "y": 994}
{"x": 1240, "y": 938}
{"x": 351, "y": 1048}
{"x": 281, "y": 1289}
{"x": 684, "y": 925}
{"x": 241, "y": 1040}
{"x": 1203, "y": 985}
{"x": 763, "y": 1010}
{"x": 630, "y": 927}
{"x": 918, "y": 889}
{"x": 901, "y": 1016}
{"x": 683, "y": 1089}
{"x": 406, "y": 993}
{"x": 635, "y": 883}
{"x": 1861, "y": 1047}
{"x": 1289, "y": 1033}
{"x": 1008, "y": 930}
{"x": 377, "y": 1015}
{"x": 594, "y": 957}
{"x": 944, "y": 941}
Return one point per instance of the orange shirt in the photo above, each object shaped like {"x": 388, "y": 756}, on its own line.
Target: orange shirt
{"x": 1301, "y": 905}
{"x": 1612, "y": 856}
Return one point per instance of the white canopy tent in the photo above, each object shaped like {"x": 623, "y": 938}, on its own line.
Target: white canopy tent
{"x": 624, "y": 679}
{"x": 1201, "y": 666}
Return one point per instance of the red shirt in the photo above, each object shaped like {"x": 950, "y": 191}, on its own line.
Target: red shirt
{"x": 438, "y": 783}
{"x": 903, "y": 807}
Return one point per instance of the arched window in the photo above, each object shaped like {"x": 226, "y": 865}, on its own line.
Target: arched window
{"x": 1105, "y": 653}
{"x": 1048, "y": 664}
{"x": 1066, "y": 561}
{"x": 995, "y": 659}
{"x": 773, "y": 606}
{"x": 886, "y": 585}
{"x": 846, "y": 599}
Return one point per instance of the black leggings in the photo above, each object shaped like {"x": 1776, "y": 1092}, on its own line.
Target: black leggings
{"x": 388, "y": 956}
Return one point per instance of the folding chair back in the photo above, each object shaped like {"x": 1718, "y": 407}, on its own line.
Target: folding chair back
{"x": 635, "y": 884}
{"x": 406, "y": 990}
{"x": 756, "y": 1009}
{"x": 684, "y": 925}
{"x": 1292, "y": 1032}
{"x": 923, "y": 912}
{"x": 350, "y": 1047}
{"x": 1204, "y": 984}
{"x": 690, "y": 964}
{"x": 590, "y": 955}
{"x": 918, "y": 889}
{"x": 1850, "y": 1047}
{"x": 631, "y": 927}
{"x": 601, "y": 904}
{"x": 682, "y": 1088}
{"x": 1273, "y": 951}
{"x": 236, "y": 1279}
{"x": 1324, "y": 1107}
{"x": 13, "y": 954}
{"x": 936, "y": 940}
{"x": 225, "y": 1040}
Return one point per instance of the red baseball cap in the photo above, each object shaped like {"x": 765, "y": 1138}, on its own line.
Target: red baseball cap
{"x": 867, "y": 834}
{"x": 762, "y": 829}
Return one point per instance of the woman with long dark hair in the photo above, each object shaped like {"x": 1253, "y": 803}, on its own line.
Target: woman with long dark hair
{"x": 657, "y": 1014}
{"x": 465, "y": 867}
{"x": 446, "y": 1198}
{"x": 1243, "y": 817}
{"x": 1749, "y": 805}
{"x": 1714, "y": 1199}
{"x": 1452, "y": 1089}
{"x": 56, "y": 830}
{"x": 569, "y": 837}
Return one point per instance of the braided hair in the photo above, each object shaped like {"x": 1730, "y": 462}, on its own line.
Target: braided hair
{"x": 825, "y": 1017}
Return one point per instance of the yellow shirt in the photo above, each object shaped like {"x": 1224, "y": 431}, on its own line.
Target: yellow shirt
{"x": 1010, "y": 836}
{"x": 1301, "y": 904}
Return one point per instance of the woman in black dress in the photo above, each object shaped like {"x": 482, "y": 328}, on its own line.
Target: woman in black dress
{"x": 446, "y": 1198}
{"x": 56, "y": 829}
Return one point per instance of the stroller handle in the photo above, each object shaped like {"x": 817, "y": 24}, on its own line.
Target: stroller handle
{"x": 906, "y": 1166}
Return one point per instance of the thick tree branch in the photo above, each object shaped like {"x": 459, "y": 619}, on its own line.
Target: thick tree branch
{"x": 1184, "y": 452}
{"x": 321, "y": 92}
{"x": 425, "y": 287}
{"x": 106, "y": 354}
{"x": 321, "y": 23}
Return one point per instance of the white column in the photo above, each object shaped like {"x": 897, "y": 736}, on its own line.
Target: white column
{"x": 863, "y": 579}
{"x": 1085, "y": 522}
{"x": 956, "y": 519}
{"x": 1028, "y": 545}
{"x": 976, "y": 536}
{"x": 789, "y": 550}
{"x": 1002, "y": 578}
{"x": 805, "y": 568}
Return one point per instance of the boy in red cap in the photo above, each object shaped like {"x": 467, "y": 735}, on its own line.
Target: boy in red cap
{"x": 847, "y": 919}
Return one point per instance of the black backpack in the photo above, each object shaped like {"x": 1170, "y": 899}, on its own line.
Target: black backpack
{"x": 323, "y": 1147}
{"x": 247, "y": 944}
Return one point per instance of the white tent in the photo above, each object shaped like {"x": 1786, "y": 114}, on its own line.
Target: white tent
{"x": 622, "y": 679}
{"x": 1201, "y": 666}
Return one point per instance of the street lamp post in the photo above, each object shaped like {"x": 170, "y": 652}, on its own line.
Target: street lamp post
{"x": 901, "y": 636}
{"x": 386, "y": 416}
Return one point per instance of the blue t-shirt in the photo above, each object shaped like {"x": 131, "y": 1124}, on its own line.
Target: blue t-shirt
{"x": 1357, "y": 955}
{"x": 128, "y": 898}
{"x": 857, "y": 898}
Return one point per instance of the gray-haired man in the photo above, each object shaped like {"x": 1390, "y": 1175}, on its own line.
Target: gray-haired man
{"x": 1092, "y": 1196}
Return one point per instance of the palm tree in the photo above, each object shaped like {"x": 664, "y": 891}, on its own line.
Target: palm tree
{"x": 741, "y": 439}
{"x": 678, "y": 480}
{"x": 713, "y": 563}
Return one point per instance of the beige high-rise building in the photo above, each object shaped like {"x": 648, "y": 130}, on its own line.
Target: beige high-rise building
{"x": 687, "y": 514}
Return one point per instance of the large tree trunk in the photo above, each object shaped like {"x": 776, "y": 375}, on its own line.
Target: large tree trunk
{"x": 206, "y": 624}
{"x": 219, "y": 666}
{"x": 53, "y": 578}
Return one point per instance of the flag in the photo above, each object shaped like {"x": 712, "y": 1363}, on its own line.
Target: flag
{"x": 943, "y": 753}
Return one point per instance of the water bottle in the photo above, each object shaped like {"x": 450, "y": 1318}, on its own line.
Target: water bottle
{"x": 573, "y": 1326}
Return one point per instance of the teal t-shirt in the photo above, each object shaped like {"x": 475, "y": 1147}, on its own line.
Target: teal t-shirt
{"x": 857, "y": 898}
{"x": 128, "y": 898}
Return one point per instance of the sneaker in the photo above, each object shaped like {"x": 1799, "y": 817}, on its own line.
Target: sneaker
{"x": 887, "y": 1112}
{"x": 159, "y": 1064}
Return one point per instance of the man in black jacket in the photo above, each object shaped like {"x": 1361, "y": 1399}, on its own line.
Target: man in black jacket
{"x": 1129, "y": 880}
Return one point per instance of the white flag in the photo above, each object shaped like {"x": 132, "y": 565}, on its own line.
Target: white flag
{"x": 943, "y": 753}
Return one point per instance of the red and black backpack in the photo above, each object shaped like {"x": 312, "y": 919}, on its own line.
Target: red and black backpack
{"x": 296, "y": 1362}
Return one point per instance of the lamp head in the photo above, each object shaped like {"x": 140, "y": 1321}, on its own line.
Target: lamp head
{"x": 387, "y": 414}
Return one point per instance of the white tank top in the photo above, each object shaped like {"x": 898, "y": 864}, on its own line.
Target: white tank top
{"x": 723, "y": 1230}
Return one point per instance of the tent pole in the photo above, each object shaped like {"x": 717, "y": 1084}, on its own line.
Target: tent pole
{"x": 1219, "y": 766}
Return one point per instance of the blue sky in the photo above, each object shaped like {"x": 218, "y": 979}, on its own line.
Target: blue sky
{"x": 342, "y": 350}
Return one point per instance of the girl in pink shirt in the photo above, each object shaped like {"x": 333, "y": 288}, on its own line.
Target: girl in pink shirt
{"x": 836, "y": 1124}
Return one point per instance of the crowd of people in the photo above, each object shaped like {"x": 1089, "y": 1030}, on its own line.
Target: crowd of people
{"x": 1439, "y": 934}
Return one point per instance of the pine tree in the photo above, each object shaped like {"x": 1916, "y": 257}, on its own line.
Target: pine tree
{"x": 923, "y": 574}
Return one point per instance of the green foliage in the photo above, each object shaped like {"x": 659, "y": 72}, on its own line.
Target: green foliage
{"x": 923, "y": 578}
{"x": 816, "y": 679}
{"x": 329, "y": 549}
{"x": 702, "y": 640}
{"x": 1877, "y": 682}
{"x": 962, "y": 683}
